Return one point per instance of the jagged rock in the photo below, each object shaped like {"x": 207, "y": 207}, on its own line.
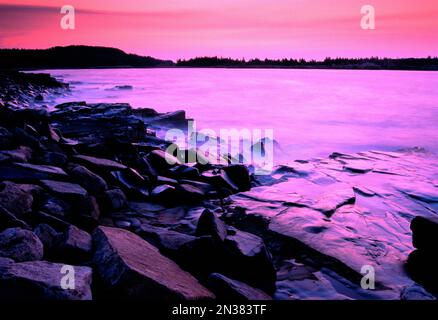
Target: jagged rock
{"x": 56, "y": 207}
{"x": 239, "y": 175}
{"x": 56, "y": 223}
{"x": 252, "y": 262}
{"x": 42, "y": 280}
{"x": 184, "y": 172}
{"x": 93, "y": 183}
{"x": 16, "y": 200}
{"x": 56, "y": 159}
{"x": 132, "y": 183}
{"x": 229, "y": 289}
{"x": 421, "y": 266}
{"x": 99, "y": 163}
{"x": 164, "y": 192}
{"x": 6, "y": 139}
{"x": 73, "y": 246}
{"x": 161, "y": 161}
{"x": 30, "y": 172}
{"x": 48, "y": 236}
{"x": 187, "y": 193}
{"x": 65, "y": 190}
{"x": 20, "y": 245}
{"x": 134, "y": 268}
{"x": 22, "y": 154}
{"x": 210, "y": 225}
{"x": 86, "y": 213}
{"x": 425, "y": 233}
{"x": 219, "y": 180}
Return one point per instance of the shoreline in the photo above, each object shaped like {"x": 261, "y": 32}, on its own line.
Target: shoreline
{"x": 89, "y": 185}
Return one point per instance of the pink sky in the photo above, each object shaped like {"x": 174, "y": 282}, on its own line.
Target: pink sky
{"x": 234, "y": 28}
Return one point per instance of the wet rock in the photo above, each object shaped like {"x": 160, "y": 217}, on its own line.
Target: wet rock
{"x": 133, "y": 267}
{"x": 30, "y": 172}
{"x": 210, "y": 225}
{"x": 99, "y": 164}
{"x": 16, "y": 200}
{"x": 239, "y": 175}
{"x": 252, "y": 262}
{"x": 42, "y": 280}
{"x": 229, "y": 289}
{"x": 20, "y": 245}
{"x": 425, "y": 233}
{"x": 93, "y": 183}
{"x": 65, "y": 190}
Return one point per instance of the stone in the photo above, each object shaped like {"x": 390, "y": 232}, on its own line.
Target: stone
{"x": 239, "y": 175}
{"x": 164, "y": 193}
{"x": 132, "y": 183}
{"x": 421, "y": 266}
{"x": 219, "y": 180}
{"x": 252, "y": 262}
{"x": 30, "y": 172}
{"x": 93, "y": 183}
{"x": 184, "y": 172}
{"x": 41, "y": 280}
{"x": 210, "y": 225}
{"x": 187, "y": 193}
{"x": 161, "y": 160}
{"x": 114, "y": 200}
{"x": 99, "y": 163}
{"x": 22, "y": 154}
{"x": 134, "y": 268}
{"x": 20, "y": 245}
{"x": 65, "y": 190}
{"x": 48, "y": 237}
{"x": 229, "y": 289}
{"x": 56, "y": 159}
{"x": 73, "y": 246}
{"x": 8, "y": 220}
{"x": 56, "y": 207}
{"x": 425, "y": 233}
{"x": 16, "y": 200}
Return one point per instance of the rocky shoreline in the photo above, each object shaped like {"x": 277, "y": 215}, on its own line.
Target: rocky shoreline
{"x": 88, "y": 189}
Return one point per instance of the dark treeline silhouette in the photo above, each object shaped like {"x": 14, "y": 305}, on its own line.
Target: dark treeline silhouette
{"x": 373, "y": 63}
{"x": 103, "y": 57}
{"x": 74, "y": 57}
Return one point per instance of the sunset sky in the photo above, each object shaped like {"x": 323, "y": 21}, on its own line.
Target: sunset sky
{"x": 174, "y": 29}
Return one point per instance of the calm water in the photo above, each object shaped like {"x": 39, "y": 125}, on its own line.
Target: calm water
{"x": 312, "y": 112}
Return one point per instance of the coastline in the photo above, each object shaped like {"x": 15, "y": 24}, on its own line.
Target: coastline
{"x": 93, "y": 190}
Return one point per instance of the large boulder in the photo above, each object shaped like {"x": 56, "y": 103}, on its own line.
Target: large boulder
{"x": 73, "y": 246}
{"x": 132, "y": 268}
{"x": 229, "y": 289}
{"x": 93, "y": 183}
{"x": 210, "y": 225}
{"x": 42, "y": 280}
{"x": 239, "y": 175}
{"x": 161, "y": 161}
{"x": 15, "y": 199}
{"x": 20, "y": 245}
{"x": 65, "y": 190}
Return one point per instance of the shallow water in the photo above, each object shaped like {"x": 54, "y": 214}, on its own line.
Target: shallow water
{"x": 312, "y": 112}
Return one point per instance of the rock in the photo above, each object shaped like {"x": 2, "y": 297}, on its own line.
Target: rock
{"x": 415, "y": 292}
{"x": 114, "y": 200}
{"x": 187, "y": 193}
{"x": 8, "y": 220}
{"x": 16, "y": 200}
{"x": 93, "y": 183}
{"x": 99, "y": 163}
{"x": 210, "y": 225}
{"x": 56, "y": 207}
{"x": 22, "y": 154}
{"x": 164, "y": 192}
{"x": 132, "y": 183}
{"x": 86, "y": 213}
{"x": 30, "y": 172}
{"x": 184, "y": 172}
{"x": 65, "y": 190}
{"x": 229, "y": 289}
{"x": 134, "y": 268}
{"x": 252, "y": 262}
{"x": 42, "y": 280}
{"x": 425, "y": 233}
{"x": 168, "y": 241}
{"x": 56, "y": 159}
{"x": 73, "y": 246}
{"x": 421, "y": 266}
{"x": 219, "y": 180}
{"x": 239, "y": 175}
{"x": 161, "y": 161}
{"x": 48, "y": 236}
{"x": 56, "y": 223}
{"x": 6, "y": 139}
{"x": 20, "y": 245}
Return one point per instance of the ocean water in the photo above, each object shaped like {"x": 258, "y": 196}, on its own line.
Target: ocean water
{"x": 312, "y": 112}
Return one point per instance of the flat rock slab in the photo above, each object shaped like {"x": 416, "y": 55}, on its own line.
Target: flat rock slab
{"x": 43, "y": 280}
{"x": 65, "y": 189}
{"x": 100, "y": 163}
{"x": 133, "y": 267}
{"x": 30, "y": 172}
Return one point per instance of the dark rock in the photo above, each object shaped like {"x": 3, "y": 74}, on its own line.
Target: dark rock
{"x": 210, "y": 225}
{"x": 99, "y": 163}
{"x": 93, "y": 183}
{"x": 20, "y": 245}
{"x": 239, "y": 175}
{"x": 56, "y": 207}
{"x": 425, "y": 233}
{"x": 42, "y": 280}
{"x": 55, "y": 222}
{"x": 48, "y": 236}
{"x": 114, "y": 200}
{"x": 164, "y": 192}
{"x": 252, "y": 262}
{"x": 219, "y": 180}
{"x": 16, "y": 200}
{"x": 86, "y": 213}
{"x": 73, "y": 246}
{"x": 184, "y": 172}
{"x": 134, "y": 268}
{"x": 229, "y": 289}
{"x": 421, "y": 266}
{"x": 8, "y": 220}
{"x": 6, "y": 139}
{"x": 132, "y": 183}
{"x": 187, "y": 193}
{"x": 65, "y": 190}
{"x": 30, "y": 172}
{"x": 22, "y": 154}
{"x": 161, "y": 161}
{"x": 56, "y": 159}
{"x": 164, "y": 180}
